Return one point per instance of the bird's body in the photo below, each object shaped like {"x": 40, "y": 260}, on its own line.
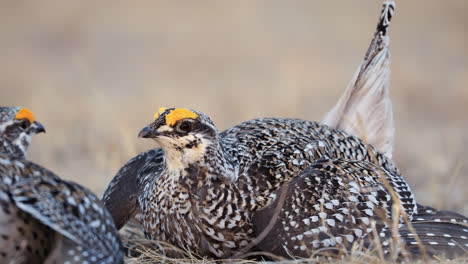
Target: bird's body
{"x": 204, "y": 198}
{"x": 217, "y": 194}
{"x": 46, "y": 219}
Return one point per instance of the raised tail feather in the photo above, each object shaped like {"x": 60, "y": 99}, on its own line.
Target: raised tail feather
{"x": 365, "y": 108}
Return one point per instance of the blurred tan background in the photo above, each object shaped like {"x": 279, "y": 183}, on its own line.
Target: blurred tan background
{"x": 94, "y": 72}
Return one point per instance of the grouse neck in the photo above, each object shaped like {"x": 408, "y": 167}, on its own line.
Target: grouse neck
{"x": 14, "y": 149}
{"x": 206, "y": 161}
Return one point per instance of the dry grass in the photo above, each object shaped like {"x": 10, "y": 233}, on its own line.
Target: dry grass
{"x": 94, "y": 72}
{"x": 151, "y": 253}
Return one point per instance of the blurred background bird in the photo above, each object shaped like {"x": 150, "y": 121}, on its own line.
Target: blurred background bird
{"x": 45, "y": 219}
{"x": 17, "y": 127}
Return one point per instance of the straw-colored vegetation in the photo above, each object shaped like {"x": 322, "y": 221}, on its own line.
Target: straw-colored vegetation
{"x": 153, "y": 252}
{"x": 94, "y": 73}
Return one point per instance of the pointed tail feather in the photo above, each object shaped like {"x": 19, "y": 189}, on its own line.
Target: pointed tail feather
{"x": 446, "y": 240}
{"x": 442, "y": 234}
{"x": 366, "y": 100}
{"x": 429, "y": 214}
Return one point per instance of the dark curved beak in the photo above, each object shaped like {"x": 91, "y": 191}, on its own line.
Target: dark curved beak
{"x": 38, "y": 127}
{"x": 148, "y": 132}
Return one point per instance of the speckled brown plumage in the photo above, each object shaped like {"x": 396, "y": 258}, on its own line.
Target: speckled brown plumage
{"x": 45, "y": 219}
{"x": 61, "y": 220}
{"x": 22, "y": 238}
{"x": 334, "y": 203}
{"x": 331, "y": 204}
{"x": 120, "y": 196}
{"x": 210, "y": 201}
{"x": 207, "y": 203}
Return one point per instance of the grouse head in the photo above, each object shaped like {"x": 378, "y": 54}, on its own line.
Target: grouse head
{"x": 17, "y": 126}
{"x": 185, "y": 135}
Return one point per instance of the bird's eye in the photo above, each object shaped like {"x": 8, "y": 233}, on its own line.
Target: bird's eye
{"x": 24, "y": 124}
{"x": 184, "y": 126}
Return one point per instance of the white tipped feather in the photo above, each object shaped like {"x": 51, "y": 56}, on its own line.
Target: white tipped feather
{"x": 365, "y": 108}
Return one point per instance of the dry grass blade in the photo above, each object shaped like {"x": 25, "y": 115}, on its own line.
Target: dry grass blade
{"x": 377, "y": 241}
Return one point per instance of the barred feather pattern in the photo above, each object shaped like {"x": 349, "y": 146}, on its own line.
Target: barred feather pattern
{"x": 120, "y": 196}
{"x": 438, "y": 239}
{"x": 74, "y": 225}
{"x": 429, "y": 214}
{"x": 335, "y": 203}
{"x": 330, "y": 205}
{"x": 441, "y": 232}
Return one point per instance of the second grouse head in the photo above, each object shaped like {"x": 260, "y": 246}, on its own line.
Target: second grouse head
{"x": 17, "y": 126}
{"x": 181, "y": 131}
